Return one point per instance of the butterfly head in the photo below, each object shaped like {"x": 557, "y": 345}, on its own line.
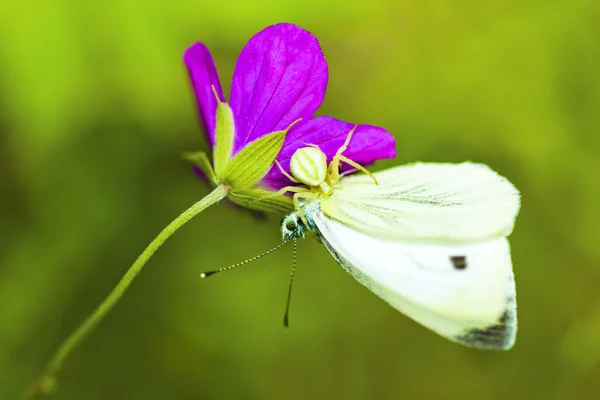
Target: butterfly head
{"x": 292, "y": 227}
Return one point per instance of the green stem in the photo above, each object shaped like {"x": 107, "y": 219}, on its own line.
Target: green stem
{"x": 47, "y": 381}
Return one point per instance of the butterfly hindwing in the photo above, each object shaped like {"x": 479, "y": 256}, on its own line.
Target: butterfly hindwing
{"x": 465, "y": 291}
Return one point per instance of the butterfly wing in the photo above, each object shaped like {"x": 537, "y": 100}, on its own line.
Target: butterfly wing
{"x": 434, "y": 202}
{"x": 430, "y": 240}
{"x": 465, "y": 292}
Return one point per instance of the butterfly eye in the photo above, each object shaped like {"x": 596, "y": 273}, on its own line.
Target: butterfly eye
{"x": 291, "y": 225}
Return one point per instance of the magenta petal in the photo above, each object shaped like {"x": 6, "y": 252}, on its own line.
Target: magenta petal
{"x": 369, "y": 143}
{"x": 280, "y": 76}
{"x": 203, "y": 75}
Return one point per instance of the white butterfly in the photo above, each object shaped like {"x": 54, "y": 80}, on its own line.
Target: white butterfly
{"x": 429, "y": 239}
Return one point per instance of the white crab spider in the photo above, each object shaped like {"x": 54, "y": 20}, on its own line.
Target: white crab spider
{"x": 308, "y": 166}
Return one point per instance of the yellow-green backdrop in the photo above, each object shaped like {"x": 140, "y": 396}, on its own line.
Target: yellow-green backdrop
{"x": 95, "y": 110}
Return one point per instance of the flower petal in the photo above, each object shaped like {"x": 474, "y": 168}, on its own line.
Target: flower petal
{"x": 280, "y": 76}
{"x": 203, "y": 76}
{"x": 369, "y": 143}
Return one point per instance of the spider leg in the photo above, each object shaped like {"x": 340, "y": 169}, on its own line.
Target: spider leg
{"x": 316, "y": 146}
{"x": 290, "y": 177}
{"x": 334, "y": 165}
{"x": 282, "y": 191}
{"x": 357, "y": 166}
{"x": 344, "y": 147}
{"x": 348, "y": 172}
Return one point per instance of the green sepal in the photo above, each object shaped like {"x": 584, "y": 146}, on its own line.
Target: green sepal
{"x": 253, "y": 161}
{"x": 262, "y": 200}
{"x": 224, "y": 132}
{"x": 201, "y": 160}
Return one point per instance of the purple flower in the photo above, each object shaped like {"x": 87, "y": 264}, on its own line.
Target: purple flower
{"x": 280, "y": 76}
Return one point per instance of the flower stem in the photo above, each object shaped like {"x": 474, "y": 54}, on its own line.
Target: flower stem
{"x": 48, "y": 379}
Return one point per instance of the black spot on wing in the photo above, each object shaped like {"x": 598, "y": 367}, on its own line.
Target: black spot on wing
{"x": 493, "y": 337}
{"x": 459, "y": 262}
{"x": 499, "y": 336}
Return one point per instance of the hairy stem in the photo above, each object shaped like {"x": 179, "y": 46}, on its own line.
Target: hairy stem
{"x": 48, "y": 379}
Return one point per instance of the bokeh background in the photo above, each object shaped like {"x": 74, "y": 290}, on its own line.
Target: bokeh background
{"x": 96, "y": 109}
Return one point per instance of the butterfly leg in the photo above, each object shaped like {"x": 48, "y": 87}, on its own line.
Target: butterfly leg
{"x": 296, "y": 199}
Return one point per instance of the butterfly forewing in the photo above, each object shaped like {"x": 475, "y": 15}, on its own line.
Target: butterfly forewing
{"x": 427, "y": 202}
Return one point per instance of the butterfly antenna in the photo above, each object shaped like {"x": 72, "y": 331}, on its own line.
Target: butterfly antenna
{"x": 209, "y": 273}
{"x": 286, "y": 320}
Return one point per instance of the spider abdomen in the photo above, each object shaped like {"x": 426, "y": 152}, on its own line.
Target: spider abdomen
{"x": 309, "y": 166}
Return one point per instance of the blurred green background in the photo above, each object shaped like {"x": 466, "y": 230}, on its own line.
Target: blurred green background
{"x": 96, "y": 109}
